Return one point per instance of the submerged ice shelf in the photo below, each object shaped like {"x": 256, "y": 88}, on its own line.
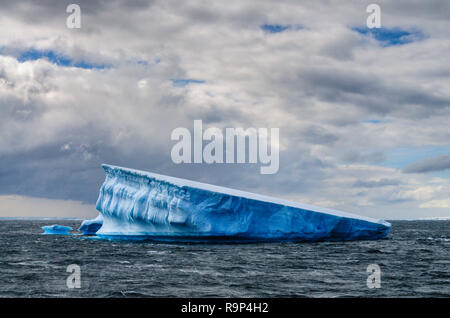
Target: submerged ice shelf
{"x": 140, "y": 204}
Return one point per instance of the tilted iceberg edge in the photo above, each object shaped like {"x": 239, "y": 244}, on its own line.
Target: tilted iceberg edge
{"x": 140, "y": 204}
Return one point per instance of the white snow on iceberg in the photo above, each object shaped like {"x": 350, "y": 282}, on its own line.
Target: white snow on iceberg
{"x": 141, "y": 204}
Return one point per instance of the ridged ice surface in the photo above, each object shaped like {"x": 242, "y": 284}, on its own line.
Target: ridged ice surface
{"x": 137, "y": 204}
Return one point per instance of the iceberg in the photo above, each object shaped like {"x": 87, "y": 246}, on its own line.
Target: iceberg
{"x": 56, "y": 229}
{"x": 140, "y": 205}
{"x": 90, "y": 227}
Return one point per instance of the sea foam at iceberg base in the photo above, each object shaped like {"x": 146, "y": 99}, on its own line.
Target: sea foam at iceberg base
{"x": 137, "y": 205}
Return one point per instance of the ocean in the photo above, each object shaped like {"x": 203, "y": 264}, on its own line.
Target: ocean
{"x": 414, "y": 261}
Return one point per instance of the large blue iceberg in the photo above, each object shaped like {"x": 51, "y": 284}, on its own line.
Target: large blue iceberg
{"x": 56, "y": 229}
{"x": 138, "y": 204}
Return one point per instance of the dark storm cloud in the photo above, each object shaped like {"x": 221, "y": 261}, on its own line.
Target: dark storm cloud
{"x": 75, "y": 172}
{"x": 43, "y": 10}
{"x": 316, "y": 134}
{"x": 438, "y": 163}
{"x": 434, "y": 10}
{"x": 365, "y": 89}
{"x": 317, "y": 84}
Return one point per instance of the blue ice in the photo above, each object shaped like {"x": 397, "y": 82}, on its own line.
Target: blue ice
{"x": 90, "y": 227}
{"x": 56, "y": 229}
{"x": 138, "y": 204}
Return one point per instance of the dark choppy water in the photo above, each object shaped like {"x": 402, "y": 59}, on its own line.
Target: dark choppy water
{"x": 414, "y": 262}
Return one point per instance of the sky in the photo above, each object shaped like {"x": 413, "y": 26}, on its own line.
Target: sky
{"x": 363, "y": 114}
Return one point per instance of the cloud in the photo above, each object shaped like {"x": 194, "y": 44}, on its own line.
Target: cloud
{"x": 389, "y": 37}
{"x": 440, "y": 204}
{"x": 342, "y": 101}
{"x": 368, "y": 157}
{"x": 376, "y": 183}
{"x": 438, "y": 163}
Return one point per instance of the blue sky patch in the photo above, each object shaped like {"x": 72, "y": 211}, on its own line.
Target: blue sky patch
{"x": 147, "y": 63}
{"x": 274, "y": 28}
{"x": 182, "y": 82}
{"x": 391, "y": 37}
{"x": 404, "y": 156}
{"x": 55, "y": 58}
{"x": 372, "y": 121}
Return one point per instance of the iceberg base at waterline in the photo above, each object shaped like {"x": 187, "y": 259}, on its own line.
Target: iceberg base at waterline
{"x": 90, "y": 227}
{"x": 56, "y": 229}
{"x": 142, "y": 205}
